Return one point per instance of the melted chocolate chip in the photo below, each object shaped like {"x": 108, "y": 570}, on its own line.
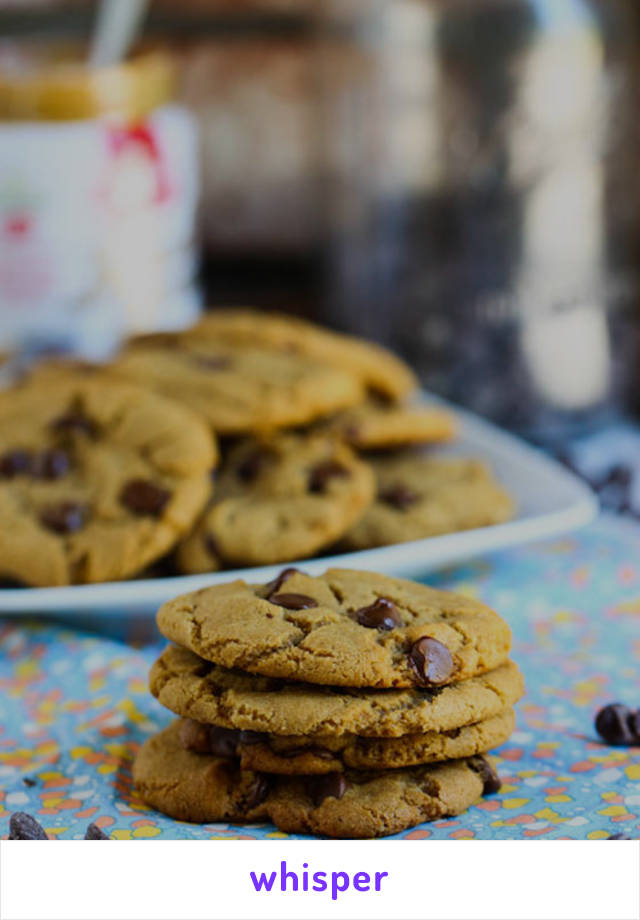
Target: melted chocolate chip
{"x": 93, "y": 832}
{"x": 321, "y": 474}
{"x": 332, "y": 785}
{"x": 65, "y": 517}
{"x": 74, "y": 422}
{"x": 258, "y": 792}
{"x": 144, "y": 498}
{"x": 293, "y": 601}
{"x": 274, "y": 586}
{"x": 322, "y": 753}
{"x": 23, "y": 827}
{"x": 223, "y": 742}
{"x": 211, "y": 546}
{"x": 247, "y": 737}
{"x": 51, "y": 464}
{"x": 194, "y": 736}
{"x": 213, "y": 362}
{"x": 618, "y": 725}
{"x": 399, "y": 496}
{"x": 382, "y": 614}
{"x": 491, "y": 782}
{"x": 15, "y": 463}
{"x": 253, "y": 464}
{"x": 431, "y": 661}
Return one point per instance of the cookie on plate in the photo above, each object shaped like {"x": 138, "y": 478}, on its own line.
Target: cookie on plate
{"x": 97, "y": 479}
{"x": 299, "y": 755}
{"x": 279, "y": 498}
{"x": 382, "y": 372}
{"x": 346, "y": 628}
{"x": 422, "y": 496}
{"x": 238, "y": 388}
{"x": 380, "y": 426}
{"x": 204, "y": 788}
{"x": 199, "y": 690}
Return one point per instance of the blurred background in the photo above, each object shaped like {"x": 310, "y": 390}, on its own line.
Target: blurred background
{"x": 459, "y": 180}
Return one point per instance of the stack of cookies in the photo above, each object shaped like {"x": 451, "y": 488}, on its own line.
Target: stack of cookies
{"x": 346, "y": 705}
{"x": 250, "y": 439}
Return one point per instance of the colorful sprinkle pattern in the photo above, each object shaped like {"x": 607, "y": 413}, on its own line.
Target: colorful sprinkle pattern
{"x": 74, "y": 708}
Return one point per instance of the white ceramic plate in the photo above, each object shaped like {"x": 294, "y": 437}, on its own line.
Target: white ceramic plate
{"x": 550, "y": 501}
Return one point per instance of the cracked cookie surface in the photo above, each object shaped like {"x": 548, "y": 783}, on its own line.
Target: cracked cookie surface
{"x": 278, "y": 498}
{"x": 343, "y": 628}
{"x": 197, "y": 689}
{"x": 97, "y": 479}
{"x": 204, "y": 788}
{"x": 421, "y": 496}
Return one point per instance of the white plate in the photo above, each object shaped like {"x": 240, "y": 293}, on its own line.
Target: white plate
{"x": 550, "y": 501}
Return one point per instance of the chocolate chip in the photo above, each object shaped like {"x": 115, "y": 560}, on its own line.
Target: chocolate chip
{"x": 74, "y": 422}
{"x": 332, "y": 785}
{"x": 15, "y": 463}
{"x": 213, "y": 362}
{"x": 65, "y": 517}
{"x": 246, "y": 737}
{"x": 322, "y": 753}
{"x": 93, "y": 832}
{"x": 258, "y": 792}
{"x": 490, "y": 779}
{"x": 253, "y": 464}
{"x": 398, "y": 496}
{"x": 144, "y": 498}
{"x": 431, "y": 661}
{"x": 223, "y": 742}
{"x": 618, "y": 725}
{"x": 51, "y": 464}
{"x": 194, "y": 736}
{"x": 293, "y": 601}
{"x": 274, "y": 586}
{"x": 23, "y": 827}
{"x": 321, "y": 474}
{"x": 382, "y": 614}
{"x": 211, "y": 546}
{"x": 30, "y": 783}
{"x": 619, "y": 837}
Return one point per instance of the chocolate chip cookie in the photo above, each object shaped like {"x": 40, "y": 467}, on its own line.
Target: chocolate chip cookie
{"x": 344, "y": 628}
{"x": 382, "y": 372}
{"x": 422, "y": 496}
{"x": 97, "y": 479}
{"x": 238, "y": 388}
{"x": 380, "y": 426}
{"x": 299, "y": 755}
{"x": 277, "y": 499}
{"x": 204, "y": 788}
{"x": 205, "y": 692}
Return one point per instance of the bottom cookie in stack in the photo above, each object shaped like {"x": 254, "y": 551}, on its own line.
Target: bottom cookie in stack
{"x": 336, "y": 762}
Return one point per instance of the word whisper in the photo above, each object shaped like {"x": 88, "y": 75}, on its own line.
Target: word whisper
{"x": 335, "y": 882}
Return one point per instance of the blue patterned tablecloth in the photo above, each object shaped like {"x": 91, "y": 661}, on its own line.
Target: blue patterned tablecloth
{"x": 74, "y": 707}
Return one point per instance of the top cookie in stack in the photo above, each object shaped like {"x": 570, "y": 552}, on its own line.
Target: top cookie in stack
{"x": 349, "y": 704}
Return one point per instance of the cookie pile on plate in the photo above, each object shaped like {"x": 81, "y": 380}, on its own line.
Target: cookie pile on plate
{"x": 307, "y": 443}
{"x": 346, "y": 705}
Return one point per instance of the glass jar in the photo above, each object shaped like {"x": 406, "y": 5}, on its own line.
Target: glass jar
{"x": 98, "y": 191}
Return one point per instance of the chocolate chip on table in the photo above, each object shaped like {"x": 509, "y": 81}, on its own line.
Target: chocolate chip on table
{"x": 15, "y": 463}
{"x": 194, "y": 736}
{"x": 398, "y": 496}
{"x": 74, "y": 422}
{"x": 331, "y": 785}
{"x": 253, "y": 464}
{"x": 618, "y": 725}
{"x": 431, "y": 661}
{"x": 293, "y": 601}
{"x": 490, "y": 779}
{"x": 65, "y": 517}
{"x": 382, "y": 614}
{"x": 51, "y": 464}
{"x": 619, "y": 837}
{"x": 144, "y": 497}
{"x": 320, "y": 475}
{"x": 258, "y": 792}
{"x": 30, "y": 783}
{"x": 93, "y": 832}
{"x": 274, "y": 586}
{"x": 23, "y": 827}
